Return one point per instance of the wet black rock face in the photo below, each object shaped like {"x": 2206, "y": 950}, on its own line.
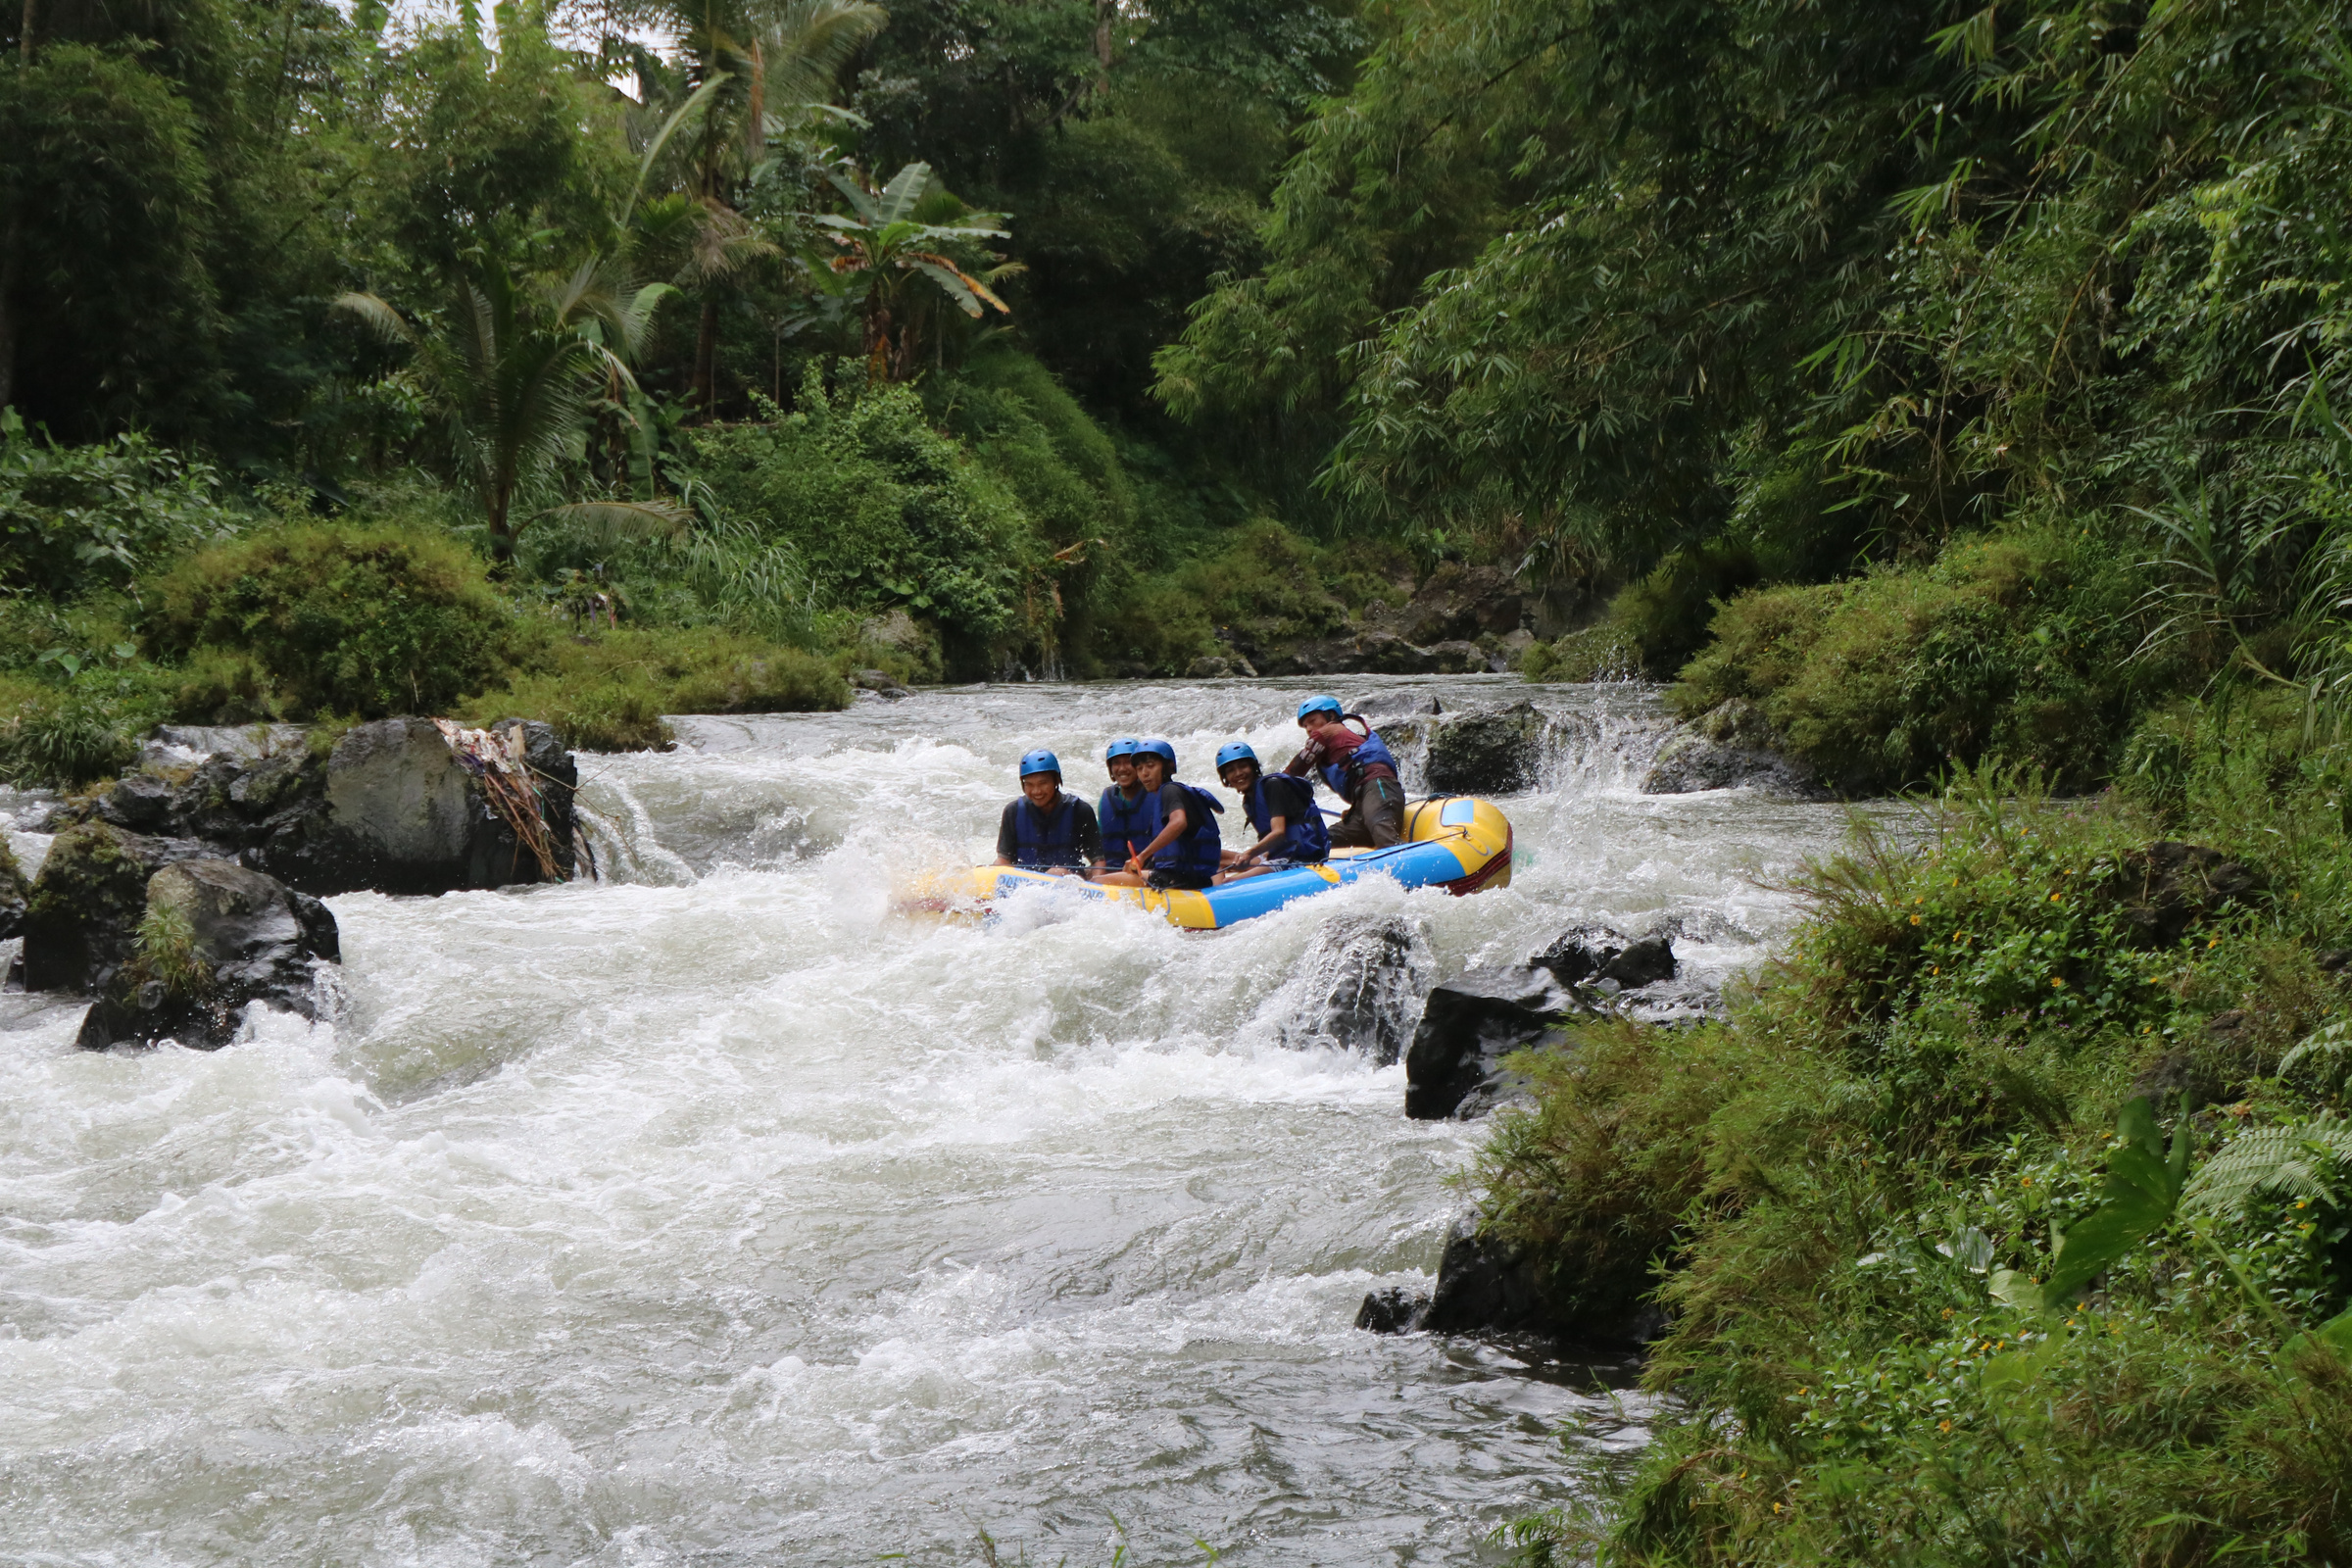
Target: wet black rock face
{"x": 1589, "y": 954}
{"x": 1468, "y": 1025}
{"x": 237, "y": 936}
{"x": 82, "y": 912}
{"x": 1498, "y": 751}
{"x": 1487, "y": 1287}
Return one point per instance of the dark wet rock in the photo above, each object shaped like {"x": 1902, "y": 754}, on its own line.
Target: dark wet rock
{"x": 1215, "y": 668}
{"x": 2168, "y": 887}
{"x": 1384, "y": 652}
{"x": 1458, "y": 657}
{"x": 2335, "y": 960}
{"x": 1728, "y": 746}
{"x": 244, "y": 938}
{"x": 1364, "y": 977}
{"x": 1487, "y": 1286}
{"x": 82, "y": 914}
{"x": 142, "y": 803}
{"x": 1395, "y": 1311}
{"x": 1468, "y": 1025}
{"x": 1497, "y": 750}
{"x": 879, "y": 682}
{"x": 2227, "y": 1024}
{"x": 396, "y": 811}
{"x": 14, "y": 892}
{"x": 1456, "y": 603}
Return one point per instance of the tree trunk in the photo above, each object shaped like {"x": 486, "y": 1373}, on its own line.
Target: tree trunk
{"x": 705, "y": 355}
{"x": 33, "y": 16}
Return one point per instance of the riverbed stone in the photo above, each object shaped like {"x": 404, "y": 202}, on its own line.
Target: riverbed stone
{"x": 247, "y": 938}
{"x": 1363, "y": 976}
{"x": 2168, "y": 887}
{"x": 1731, "y": 745}
{"x": 82, "y": 912}
{"x": 1488, "y": 1285}
{"x": 15, "y": 891}
{"x": 140, "y": 803}
{"x": 1590, "y": 955}
{"x": 1494, "y": 751}
{"x": 1454, "y": 1066}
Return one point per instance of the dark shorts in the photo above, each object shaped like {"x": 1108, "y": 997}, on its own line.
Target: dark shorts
{"x": 1374, "y": 820}
{"x": 1180, "y": 879}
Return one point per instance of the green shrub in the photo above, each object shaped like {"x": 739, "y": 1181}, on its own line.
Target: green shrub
{"x": 608, "y": 693}
{"x": 1606, "y": 652}
{"x": 1265, "y": 584}
{"x": 67, "y": 735}
{"x": 884, "y": 509}
{"x": 1665, "y": 613}
{"x": 76, "y": 518}
{"x": 2012, "y": 647}
{"x": 315, "y": 619}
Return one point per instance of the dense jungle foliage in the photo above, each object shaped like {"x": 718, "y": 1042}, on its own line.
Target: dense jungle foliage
{"x": 1964, "y": 386}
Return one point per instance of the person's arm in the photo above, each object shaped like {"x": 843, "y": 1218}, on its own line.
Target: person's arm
{"x": 1007, "y": 840}
{"x": 1170, "y": 830}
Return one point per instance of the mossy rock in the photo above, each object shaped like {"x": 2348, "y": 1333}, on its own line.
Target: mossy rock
{"x": 83, "y": 916}
{"x": 14, "y": 892}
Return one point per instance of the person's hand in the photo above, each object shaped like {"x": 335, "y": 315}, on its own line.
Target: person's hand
{"x": 1135, "y": 864}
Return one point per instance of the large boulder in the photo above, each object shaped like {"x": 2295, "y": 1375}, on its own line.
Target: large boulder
{"x": 1458, "y": 604}
{"x": 397, "y": 809}
{"x": 213, "y": 938}
{"x": 1495, "y": 751}
{"x": 81, "y": 915}
{"x": 1468, "y": 1025}
{"x": 1728, "y": 746}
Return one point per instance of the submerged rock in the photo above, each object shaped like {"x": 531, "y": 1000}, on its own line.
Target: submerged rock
{"x": 1395, "y": 1311}
{"x": 1498, "y": 751}
{"x": 1730, "y": 746}
{"x": 1488, "y": 1285}
{"x": 1363, "y": 977}
{"x": 1588, "y": 955}
{"x": 1468, "y": 1025}
{"x": 82, "y": 912}
{"x": 218, "y": 937}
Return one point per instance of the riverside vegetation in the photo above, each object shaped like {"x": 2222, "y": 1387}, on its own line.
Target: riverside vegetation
{"x": 1958, "y": 388}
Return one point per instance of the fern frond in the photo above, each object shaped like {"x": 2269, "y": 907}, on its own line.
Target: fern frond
{"x": 2330, "y": 1047}
{"x": 2292, "y": 1162}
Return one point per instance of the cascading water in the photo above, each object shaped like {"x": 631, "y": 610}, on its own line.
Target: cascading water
{"x": 716, "y": 1214}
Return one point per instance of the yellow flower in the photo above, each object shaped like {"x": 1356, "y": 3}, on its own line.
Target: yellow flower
{"x": 2026, "y": 1181}
{"x": 2053, "y": 898}
{"x": 1944, "y": 1426}
{"x": 2057, "y": 982}
{"x": 1947, "y": 1311}
{"x": 1776, "y": 1507}
{"x": 1937, "y": 969}
{"x": 1915, "y": 919}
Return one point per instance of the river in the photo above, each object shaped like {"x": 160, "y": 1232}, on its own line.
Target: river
{"x": 716, "y": 1214}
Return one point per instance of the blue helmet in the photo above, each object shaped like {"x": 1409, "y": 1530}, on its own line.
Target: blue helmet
{"x": 1320, "y": 704}
{"x": 1124, "y": 745}
{"x": 1041, "y": 762}
{"x": 1160, "y": 749}
{"x": 1238, "y": 752}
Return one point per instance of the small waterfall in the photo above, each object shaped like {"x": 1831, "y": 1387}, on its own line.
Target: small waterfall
{"x": 1358, "y": 987}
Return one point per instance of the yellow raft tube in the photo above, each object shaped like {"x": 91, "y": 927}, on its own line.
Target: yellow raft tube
{"x": 1458, "y": 842}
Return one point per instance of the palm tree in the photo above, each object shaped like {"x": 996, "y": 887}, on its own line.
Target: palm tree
{"x": 886, "y": 246}
{"x": 512, "y": 369}
{"x": 754, "y": 69}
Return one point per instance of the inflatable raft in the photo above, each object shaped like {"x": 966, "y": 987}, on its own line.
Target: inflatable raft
{"x": 1457, "y": 843}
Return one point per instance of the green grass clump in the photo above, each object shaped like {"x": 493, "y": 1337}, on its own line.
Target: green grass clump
{"x": 1834, "y": 1192}
{"x": 1264, "y": 583}
{"x": 608, "y": 693}
{"x": 313, "y": 618}
{"x": 2016, "y": 647}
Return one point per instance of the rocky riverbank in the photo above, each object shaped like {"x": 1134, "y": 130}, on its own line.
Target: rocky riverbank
{"x": 179, "y": 895}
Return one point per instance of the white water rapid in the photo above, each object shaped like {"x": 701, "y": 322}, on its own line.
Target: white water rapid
{"x": 715, "y": 1214}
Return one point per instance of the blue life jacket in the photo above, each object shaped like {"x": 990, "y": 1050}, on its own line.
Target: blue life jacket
{"x": 1127, "y": 825}
{"x": 1197, "y": 848}
{"x": 1046, "y": 840}
{"x": 1346, "y": 778}
{"x": 1308, "y": 838}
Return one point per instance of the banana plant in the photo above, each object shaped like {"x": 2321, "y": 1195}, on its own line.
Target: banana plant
{"x": 511, "y": 370}
{"x": 886, "y": 245}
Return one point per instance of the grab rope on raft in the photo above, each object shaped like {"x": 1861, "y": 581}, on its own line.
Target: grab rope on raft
{"x": 505, "y": 770}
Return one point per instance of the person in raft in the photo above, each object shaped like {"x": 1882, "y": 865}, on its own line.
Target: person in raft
{"x": 1046, "y": 830}
{"x": 1360, "y": 770}
{"x": 1185, "y": 851}
{"x": 1128, "y": 813}
{"x": 1282, "y": 812}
